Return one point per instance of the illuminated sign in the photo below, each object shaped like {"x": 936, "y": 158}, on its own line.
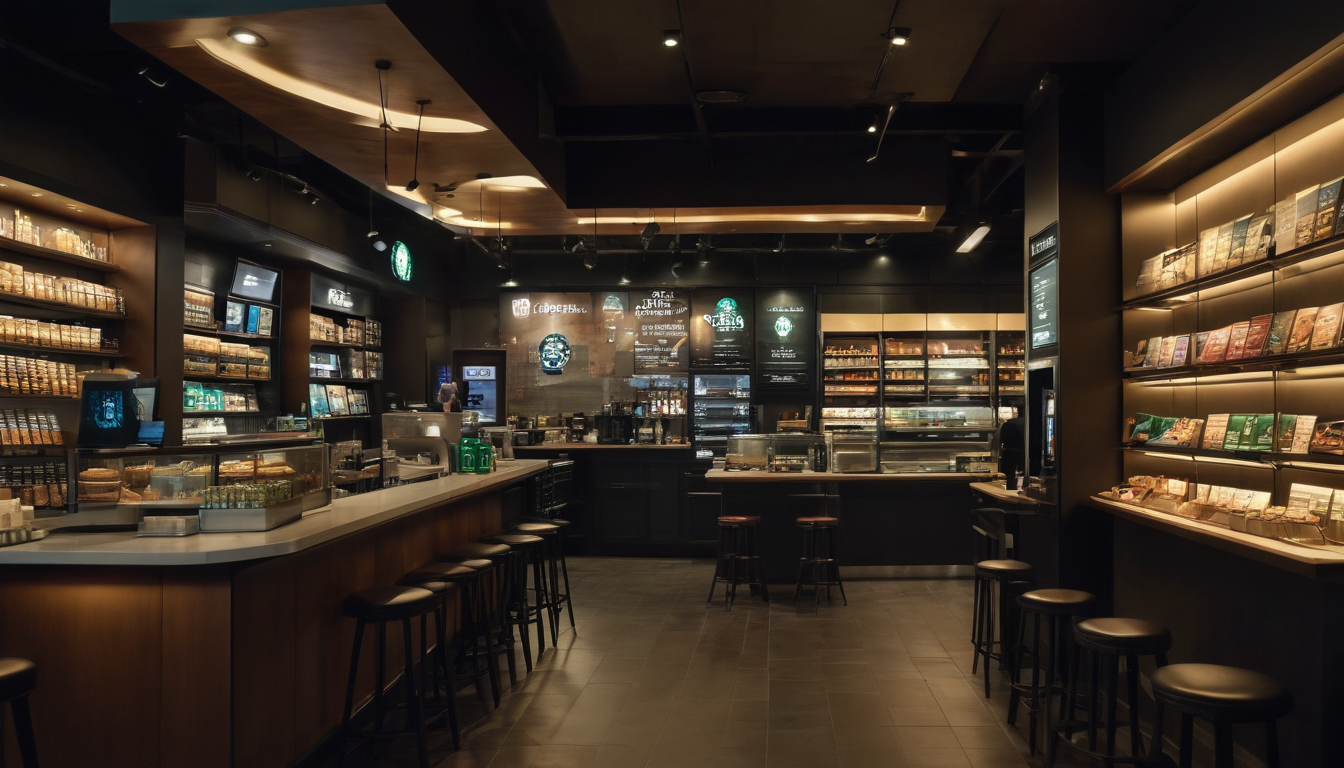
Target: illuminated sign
{"x": 522, "y": 307}
{"x": 554, "y": 352}
{"x": 338, "y": 298}
{"x": 401, "y": 262}
{"x": 478, "y": 373}
{"x": 726, "y": 318}
{"x": 548, "y": 308}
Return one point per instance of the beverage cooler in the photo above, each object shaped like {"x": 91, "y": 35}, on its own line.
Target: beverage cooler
{"x": 937, "y": 439}
{"x": 720, "y": 406}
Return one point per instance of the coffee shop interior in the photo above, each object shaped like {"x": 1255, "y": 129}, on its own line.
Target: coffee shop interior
{"x": 671, "y": 383}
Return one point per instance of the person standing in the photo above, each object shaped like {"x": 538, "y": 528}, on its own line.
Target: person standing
{"x": 448, "y": 398}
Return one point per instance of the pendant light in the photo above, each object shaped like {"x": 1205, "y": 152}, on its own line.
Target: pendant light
{"x": 415, "y": 169}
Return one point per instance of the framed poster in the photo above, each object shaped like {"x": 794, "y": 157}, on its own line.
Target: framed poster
{"x": 786, "y": 336}
{"x": 721, "y": 328}
{"x": 662, "y": 331}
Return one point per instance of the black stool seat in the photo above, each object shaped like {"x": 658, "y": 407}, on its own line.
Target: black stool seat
{"x": 439, "y": 572}
{"x": 818, "y": 520}
{"x": 515, "y": 539}
{"x": 1123, "y": 636}
{"x": 18, "y": 677}
{"x": 476, "y": 550}
{"x": 388, "y": 603}
{"x": 1057, "y": 602}
{"x": 535, "y": 528}
{"x": 997, "y": 567}
{"x": 1215, "y": 692}
{"x": 739, "y": 519}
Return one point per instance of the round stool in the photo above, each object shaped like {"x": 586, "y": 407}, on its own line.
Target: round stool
{"x": 1101, "y": 643}
{"x": 554, "y": 552}
{"x": 1224, "y": 696}
{"x": 737, "y": 562}
{"x": 18, "y": 679}
{"x": 493, "y": 560}
{"x": 378, "y": 606}
{"x": 520, "y": 611}
{"x": 988, "y": 574}
{"x": 1052, "y": 605}
{"x": 466, "y": 581}
{"x": 819, "y": 556}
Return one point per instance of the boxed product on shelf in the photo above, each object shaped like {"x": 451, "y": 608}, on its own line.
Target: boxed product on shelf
{"x": 352, "y": 363}
{"x": 358, "y": 402}
{"x": 233, "y": 360}
{"x": 198, "y": 307}
{"x": 373, "y": 363}
{"x": 30, "y": 376}
{"x": 199, "y": 428}
{"x": 29, "y": 426}
{"x": 373, "y": 333}
{"x": 200, "y": 355}
{"x": 1328, "y": 438}
{"x": 259, "y": 363}
{"x": 40, "y": 484}
{"x": 265, "y": 321}
{"x": 322, "y": 328}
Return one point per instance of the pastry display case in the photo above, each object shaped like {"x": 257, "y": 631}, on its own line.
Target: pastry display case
{"x": 257, "y": 491}
{"x": 937, "y": 439}
{"x": 850, "y": 369}
{"x": 959, "y": 365}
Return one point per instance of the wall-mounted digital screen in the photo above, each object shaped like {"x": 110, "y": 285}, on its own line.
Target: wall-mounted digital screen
{"x": 478, "y": 373}
{"x": 1044, "y": 310}
{"x": 252, "y": 281}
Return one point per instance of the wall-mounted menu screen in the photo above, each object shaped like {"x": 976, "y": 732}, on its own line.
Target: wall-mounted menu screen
{"x": 662, "y": 328}
{"x": 253, "y": 281}
{"x": 786, "y": 335}
{"x": 721, "y": 328}
{"x": 1044, "y": 311}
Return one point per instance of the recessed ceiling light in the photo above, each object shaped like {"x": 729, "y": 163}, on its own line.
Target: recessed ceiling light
{"x": 898, "y": 35}
{"x": 671, "y": 37}
{"x": 247, "y": 37}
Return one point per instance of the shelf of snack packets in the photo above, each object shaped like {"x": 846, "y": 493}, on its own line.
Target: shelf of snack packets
{"x": 1311, "y": 515}
{"x": 1274, "y": 434}
{"x": 208, "y": 356}
{"x": 325, "y": 330}
{"x": 65, "y": 291}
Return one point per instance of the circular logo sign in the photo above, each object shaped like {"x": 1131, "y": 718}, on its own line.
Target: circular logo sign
{"x": 783, "y": 326}
{"x": 554, "y": 353}
{"x": 401, "y": 261}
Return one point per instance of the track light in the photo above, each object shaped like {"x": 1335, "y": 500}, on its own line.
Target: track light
{"x": 873, "y": 127}
{"x": 372, "y": 233}
{"x": 589, "y": 261}
{"x": 646, "y": 236}
{"x": 253, "y": 174}
{"x": 247, "y": 37}
{"x": 878, "y": 240}
{"x": 898, "y": 35}
{"x": 624, "y": 280}
{"x": 671, "y": 37}
{"x": 779, "y": 247}
{"x": 705, "y": 242}
{"x": 974, "y": 238}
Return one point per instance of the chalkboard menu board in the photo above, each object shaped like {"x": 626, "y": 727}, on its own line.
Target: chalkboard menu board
{"x": 786, "y": 336}
{"x": 721, "y": 328}
{"x": 1044, "y": 310}
{"x": 662, "y": 328}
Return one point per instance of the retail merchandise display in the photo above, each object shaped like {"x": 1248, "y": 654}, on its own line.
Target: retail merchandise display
{"x": 39, "y": 484}
{"x": 198, "y": 397}
{"x": 58, "y": 238}
{"x": 354, "y": 331}
{"x": 348, "y": 364}
{"x": 76, "y": 338}
{"x": 208, "y": 356}
{"x": 1304, "y": 515}
{"x": 1300, "y": 219}
{"x": 31, "y": 376}
{"x": 1282, "y": 433}
{"x": 1292, "y": 332}
{"x": 29, "y": 426}
{"x": 67, "y": 291}
{"x": 326, "y": 400}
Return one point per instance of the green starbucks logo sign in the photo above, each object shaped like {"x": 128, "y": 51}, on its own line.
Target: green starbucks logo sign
{"x": 726, "y": 317}
{"x": 554, "y": 352}
{"x": 401, "y": 261}
{"x": 783, "y": 327}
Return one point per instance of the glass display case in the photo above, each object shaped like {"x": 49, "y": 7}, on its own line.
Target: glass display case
{"x": 853, "y": 451}
{"x": 776, "y": 452}
{"x": 721, "y": 406}
{"x": 843, "y": 419}
{"x": 958, "y": 365}
{"x": 1010, "y": 363}
{"x": 260, "y": 490}
{"x": 419, "y": 446}
{"x": 937, "y": 439}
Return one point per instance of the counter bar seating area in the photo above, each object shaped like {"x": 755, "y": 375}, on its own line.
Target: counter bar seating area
{"x": 1016, "y": 322}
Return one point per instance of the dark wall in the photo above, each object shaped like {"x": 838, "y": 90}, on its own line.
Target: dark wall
{"x": 1221, "y": 53}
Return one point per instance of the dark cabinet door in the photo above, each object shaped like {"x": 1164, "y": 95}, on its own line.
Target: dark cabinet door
{"x": 620, "y": 512}
{"x": 664, "y": 501}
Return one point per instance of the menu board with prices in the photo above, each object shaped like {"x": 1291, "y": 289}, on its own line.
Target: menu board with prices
{"x": 786, "y": 336}
{"x": 662, "y": 320}
{"x": 721, "y": 328}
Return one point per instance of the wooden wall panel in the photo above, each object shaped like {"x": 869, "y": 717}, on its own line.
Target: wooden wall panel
{"x": 197, "y": 668}
{"x": 264, "y": 664}
{"x": 94, "y": 634}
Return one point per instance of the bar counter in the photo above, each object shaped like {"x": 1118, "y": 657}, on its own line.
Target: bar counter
{"x": 914, "y": 525}
{"x": 1243, "y": 600}
{"x": 217, "y": 649}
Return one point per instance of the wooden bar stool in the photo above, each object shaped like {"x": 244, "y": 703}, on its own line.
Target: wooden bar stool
{"x": 819, "y": 557}
{"x": 553, "y": 553}
{"x": 18, "y": 679}
{"x": 1099, "y": 644}
{"x": 466, "y": 579}
{"x": 995, "y": 577}
{"x": 378, "y": 606}
{"x": 1224, "y": 696}
{"x": 521, "y": 611}
{"x": 1056, "y": 606}
{"x": 737, "y": 561}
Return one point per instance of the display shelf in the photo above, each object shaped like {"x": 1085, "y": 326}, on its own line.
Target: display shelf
{"x": 332, "y": 380}
{"x": 1315, "y": 359}
{"x": 14, "y": 396}
{"x": 221, "y": 413}
{"x": 342, "y": 418}
{"x": 1245, "y": 458}
{"x": 56, "y": 350}
{"x": 850, "y": 367}
{"x": 1295, "y": 260}
{"x": 187, "y": 376}
{"x": 198, "y": 329}
{"x": 340, "y": 344}
{"x": 58, "y": 257}
{"x": 68, "y": 309}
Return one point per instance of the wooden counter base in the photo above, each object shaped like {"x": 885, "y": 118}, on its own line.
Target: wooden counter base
{"x": 210, "y": 666}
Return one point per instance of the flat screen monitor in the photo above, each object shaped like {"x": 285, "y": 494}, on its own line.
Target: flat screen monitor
{"x": 1050, "y": 435}
{"x": 108, "y": 414}
{"x": 253, "y": 281}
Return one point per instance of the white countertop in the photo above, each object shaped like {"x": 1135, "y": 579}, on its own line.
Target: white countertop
{"x": 996, "y": 490}
{"x": 807, "y": 476}
{"x": 342, "y": 518}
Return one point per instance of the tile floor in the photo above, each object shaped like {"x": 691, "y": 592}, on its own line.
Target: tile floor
{"x": 653, "y": 679}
